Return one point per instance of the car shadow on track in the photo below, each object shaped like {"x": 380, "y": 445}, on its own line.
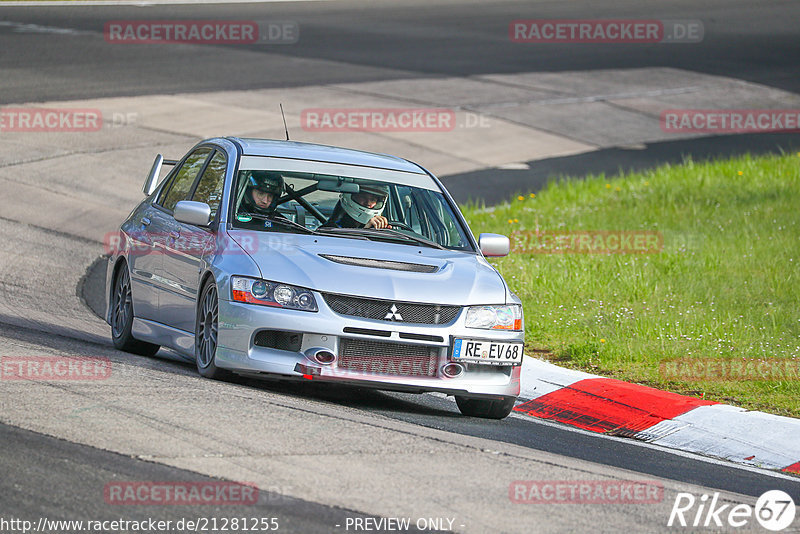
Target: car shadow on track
{"x": 372, "y": 400}
{"x": 356, "y": 397}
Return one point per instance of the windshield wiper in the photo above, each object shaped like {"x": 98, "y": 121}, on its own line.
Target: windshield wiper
{"x": 378, "y": 233}
{"x": 336, "y": 230}
{"x": 418, "y": 239}
{"x": 284, "y": 222}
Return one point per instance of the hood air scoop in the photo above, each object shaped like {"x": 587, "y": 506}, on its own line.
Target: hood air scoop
{"x": 382, "y": 264}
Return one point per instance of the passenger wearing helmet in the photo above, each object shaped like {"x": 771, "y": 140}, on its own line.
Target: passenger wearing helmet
{"x": 262, "y": 193}
{"x": 362, "y": 209}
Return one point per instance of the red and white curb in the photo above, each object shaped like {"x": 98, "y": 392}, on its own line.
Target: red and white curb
{"x": 690, "y": 424}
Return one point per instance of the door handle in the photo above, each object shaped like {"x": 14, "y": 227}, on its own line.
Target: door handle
{"x": 145, "y": 221}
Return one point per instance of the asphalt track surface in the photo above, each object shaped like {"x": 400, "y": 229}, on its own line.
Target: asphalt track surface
{"x": 59, "y": 464}
{"x": 347, "y": 42}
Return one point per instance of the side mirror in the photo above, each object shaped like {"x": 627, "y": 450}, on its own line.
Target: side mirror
{"x": 494, "y": 244}
{"x": 190, "y": 212}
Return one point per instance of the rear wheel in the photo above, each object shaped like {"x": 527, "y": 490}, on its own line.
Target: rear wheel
{"x": 486, "y": 408}
{"x": 206, "y": 329}
{"x": 122, "y": 317}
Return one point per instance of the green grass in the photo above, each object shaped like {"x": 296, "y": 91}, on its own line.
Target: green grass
{"x": 726, "y": 285}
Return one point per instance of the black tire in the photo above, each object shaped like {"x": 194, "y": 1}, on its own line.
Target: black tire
{"x": 485, "y": 408}
{"x": 122, "y": 317}
{"x": 205, "y": 334}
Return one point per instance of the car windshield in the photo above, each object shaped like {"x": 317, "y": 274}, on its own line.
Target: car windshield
{"x": 329, "y": 205}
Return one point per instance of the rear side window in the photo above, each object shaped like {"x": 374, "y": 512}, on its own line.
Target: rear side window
{"x": 178, "y": 189}
{"x": 209, "y": 189}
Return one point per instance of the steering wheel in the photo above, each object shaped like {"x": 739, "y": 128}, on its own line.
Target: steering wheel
{"x": 398, "y": 224}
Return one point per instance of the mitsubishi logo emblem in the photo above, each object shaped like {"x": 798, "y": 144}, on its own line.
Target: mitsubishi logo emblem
{"x": 393, "y": 315}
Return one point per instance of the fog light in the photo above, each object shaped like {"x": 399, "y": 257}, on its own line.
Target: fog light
{"x": 452, "y": 370}
{"x": 324, "y": 357}
{"x": 321, "y": 355}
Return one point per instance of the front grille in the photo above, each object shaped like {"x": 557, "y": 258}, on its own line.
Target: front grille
{"x": 387, "y": 310}
{"x": 383, "y": 358}
{"x": 383, "y": 264}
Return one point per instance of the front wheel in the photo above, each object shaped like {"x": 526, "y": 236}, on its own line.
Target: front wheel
{"x": 486, "y": 408}
{"x": 205, "y": 337}
{"x": 122, "y": 317}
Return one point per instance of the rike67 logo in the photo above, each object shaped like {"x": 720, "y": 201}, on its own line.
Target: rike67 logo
{"x": 774, "y": 510}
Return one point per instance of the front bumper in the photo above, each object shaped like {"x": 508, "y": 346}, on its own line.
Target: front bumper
{"x": 239, "y": 324}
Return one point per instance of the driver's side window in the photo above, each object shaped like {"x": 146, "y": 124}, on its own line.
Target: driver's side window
{"x": 209, "y": 188}
{"x": 181, "y": 185}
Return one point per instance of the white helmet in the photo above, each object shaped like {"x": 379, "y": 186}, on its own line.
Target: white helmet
{"x": 360, "y": 213}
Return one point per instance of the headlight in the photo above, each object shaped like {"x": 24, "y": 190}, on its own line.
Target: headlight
{"x": 266, "y": 293}
{"x": 506, "y": 317}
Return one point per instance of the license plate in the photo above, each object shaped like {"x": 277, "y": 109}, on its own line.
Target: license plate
{"x": 488, "y": 352}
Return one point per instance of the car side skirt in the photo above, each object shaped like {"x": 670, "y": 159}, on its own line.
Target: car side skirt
{"x": 166, "y": 336}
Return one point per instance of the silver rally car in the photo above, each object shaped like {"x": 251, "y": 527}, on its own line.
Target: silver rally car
{"x": 290, "y": 260}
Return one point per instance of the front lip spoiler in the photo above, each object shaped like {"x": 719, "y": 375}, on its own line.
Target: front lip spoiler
{"x": 371, "y": 384}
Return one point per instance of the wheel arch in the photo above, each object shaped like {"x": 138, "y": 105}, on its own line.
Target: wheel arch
{"x": 204, "y": 278}
{"x": 121, "y": 263}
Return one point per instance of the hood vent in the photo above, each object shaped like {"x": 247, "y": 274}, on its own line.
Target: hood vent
{"x": 383, "y": 264}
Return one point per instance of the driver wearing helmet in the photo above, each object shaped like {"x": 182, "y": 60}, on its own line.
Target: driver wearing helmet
{"x": 262, "y": 193}
{"x": 362, "y": 209}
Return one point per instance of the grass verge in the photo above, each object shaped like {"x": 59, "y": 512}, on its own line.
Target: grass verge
{"x": 715, "y": 313}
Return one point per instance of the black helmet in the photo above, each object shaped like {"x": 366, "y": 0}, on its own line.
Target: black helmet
{"x": 267, "y": 182}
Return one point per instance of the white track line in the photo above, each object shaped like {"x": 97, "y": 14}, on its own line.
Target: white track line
{"x": 661, "y": 448}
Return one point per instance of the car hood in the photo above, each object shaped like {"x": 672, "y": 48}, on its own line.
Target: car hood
{"x": 458, "y": 278}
